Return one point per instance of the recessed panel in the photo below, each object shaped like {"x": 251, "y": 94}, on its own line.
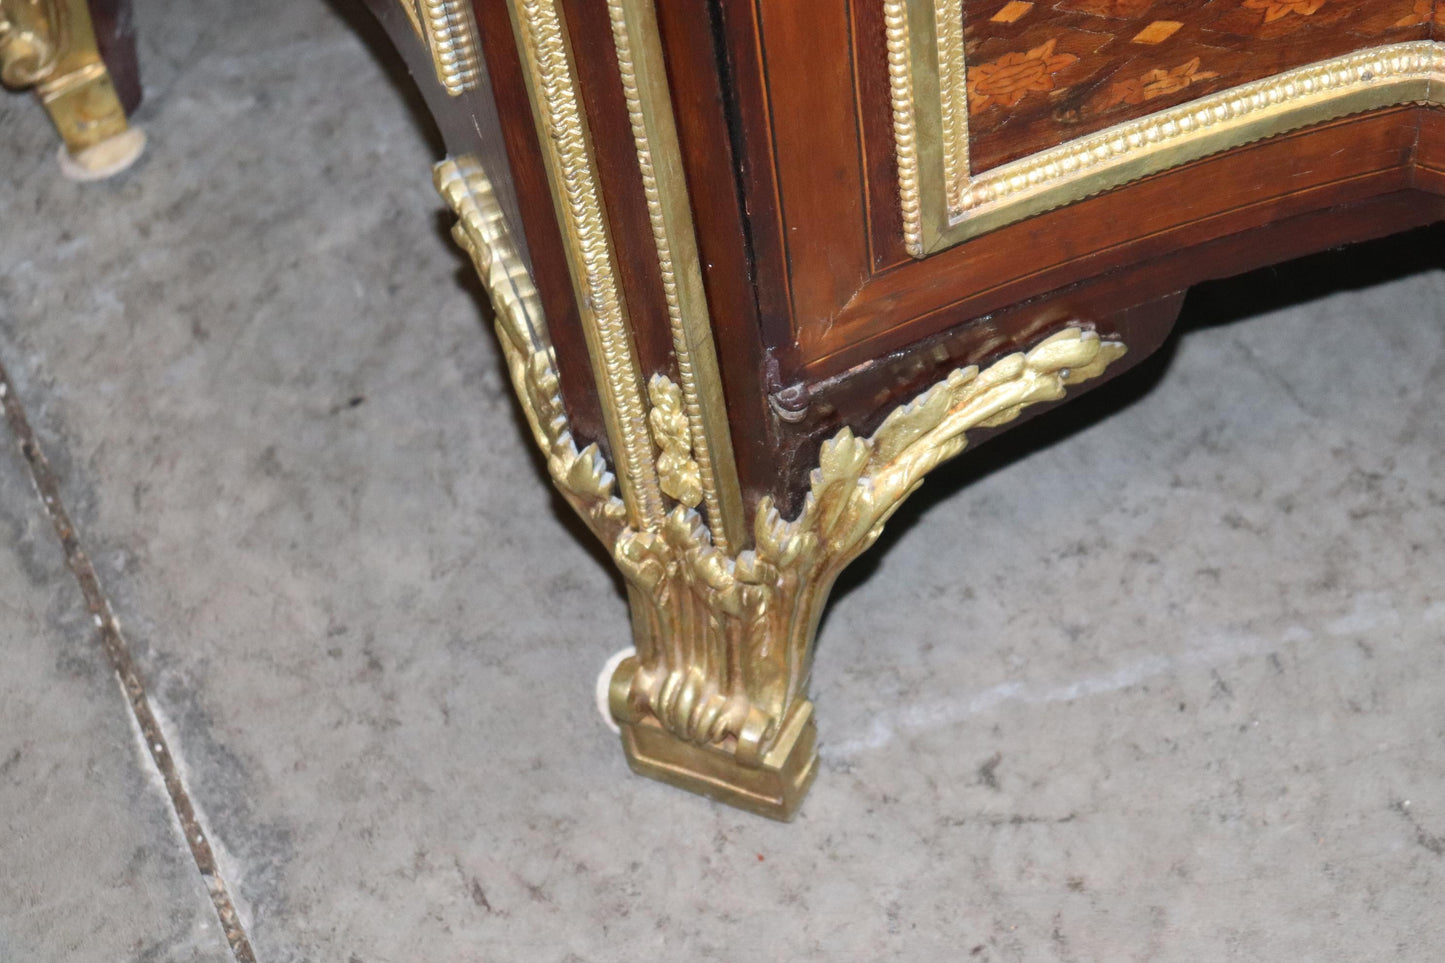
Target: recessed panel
{"x": 1007, "y": 108}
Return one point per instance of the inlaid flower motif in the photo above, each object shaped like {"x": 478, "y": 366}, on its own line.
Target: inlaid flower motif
{"x": 1279, "y": 9}
{"x": 1156, "y": 83}
{"x": 1425, "y": 11}
{"x": 1006, "y": 80}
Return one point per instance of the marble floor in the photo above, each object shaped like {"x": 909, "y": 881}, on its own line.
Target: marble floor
{"x": 1158, "y": 677}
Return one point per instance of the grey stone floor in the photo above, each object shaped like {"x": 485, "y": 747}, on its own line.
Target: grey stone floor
{"x": 1157, "y": 678}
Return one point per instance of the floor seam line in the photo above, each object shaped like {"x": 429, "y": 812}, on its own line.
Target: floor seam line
{"x": 118, "y": 653}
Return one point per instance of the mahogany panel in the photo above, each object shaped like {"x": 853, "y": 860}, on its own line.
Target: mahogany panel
{"x": 750, "y": 128}
{"x": 901, "y": 304}
{"x": 1430, "y": 150}
{"x": 815, "y": 139}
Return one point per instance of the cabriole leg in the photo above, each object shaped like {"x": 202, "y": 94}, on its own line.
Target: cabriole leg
{"x": 716, "y": 698}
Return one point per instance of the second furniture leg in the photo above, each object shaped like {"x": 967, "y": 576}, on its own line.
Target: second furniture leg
{"x": 50, "y": 45}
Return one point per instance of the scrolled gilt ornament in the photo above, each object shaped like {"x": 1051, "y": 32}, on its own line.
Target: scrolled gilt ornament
{"x": 29, "y": 48}
{"x": 582, "y": 476}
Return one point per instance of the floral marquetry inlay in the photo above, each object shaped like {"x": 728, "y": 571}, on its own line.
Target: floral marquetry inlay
{"x": 1043, "y": 73}
{"x": 1157, "y": 83}
{"x": 1006, "y": 80}
{"x": 1426, "y": 11}
{"x": 1275, "y": 9}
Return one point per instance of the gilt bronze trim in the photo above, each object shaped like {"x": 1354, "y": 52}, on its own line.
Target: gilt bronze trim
{"x": 659, "y": 161}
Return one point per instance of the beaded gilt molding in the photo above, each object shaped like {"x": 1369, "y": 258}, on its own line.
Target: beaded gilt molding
{"x": 934, "y": 92}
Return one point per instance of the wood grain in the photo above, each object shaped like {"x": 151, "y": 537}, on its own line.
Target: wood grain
{"x": 114, "y": 23}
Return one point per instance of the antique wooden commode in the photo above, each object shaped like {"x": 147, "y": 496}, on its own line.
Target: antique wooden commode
{"x": 759, "y": 265}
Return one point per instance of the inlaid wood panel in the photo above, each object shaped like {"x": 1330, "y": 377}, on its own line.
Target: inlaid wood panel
{"x": 1042, "y": 72}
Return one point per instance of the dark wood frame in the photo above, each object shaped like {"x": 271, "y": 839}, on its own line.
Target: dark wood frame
{"x": 823, "y": 319}
{"x": 820, "y": 319}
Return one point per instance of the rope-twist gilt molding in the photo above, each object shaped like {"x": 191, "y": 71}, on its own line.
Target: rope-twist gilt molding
{"x": 451, "y": 35}
{"x": 563, "y": 135}
{"x": 952, "y": 76}
{"x": 449, "y": 30}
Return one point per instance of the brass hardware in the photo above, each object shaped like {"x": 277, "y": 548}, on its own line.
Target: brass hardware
{"x": 902, "y": 86}
{"x": 716, "y": 700}
{"x": 562, "y": 132}
{"x": 944, "y": 202}
{"x": 953, "y": 114}
{"x": 29, "y": 32}
{"x": 581, "y": 476}
{"x": 50, "y": 45}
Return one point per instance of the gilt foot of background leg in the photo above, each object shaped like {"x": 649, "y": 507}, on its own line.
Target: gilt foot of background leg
{"x": 53, "y": 48}
{"x": 105, "y": 159}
